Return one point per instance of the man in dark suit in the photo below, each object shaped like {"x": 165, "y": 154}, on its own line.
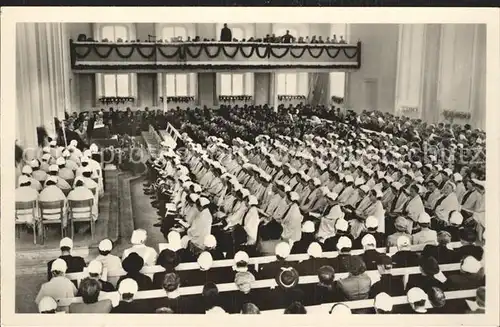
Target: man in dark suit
{"x": 371, "y": 255}
{"x": 404, "y": 257}
{"x": 287, "y": 38}
{"x": 441, "y": 252}
{"x": 468, "y": 237}
{"x": 225, "y": 34}
{"x": 74, "y": 263}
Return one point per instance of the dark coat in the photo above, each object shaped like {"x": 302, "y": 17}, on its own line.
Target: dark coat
{"x": 470, "y": 249}
{"x": 392, "y": 285}
{"x": 464, "y": 281}
{"x": 441, "y": 253}
{"x": 402, "y": 259}
{"x": 131, "y": 307}
{"x": 371, "y": 257}
{"x": 74, "y": 263}
{"x": 144, "y": 282}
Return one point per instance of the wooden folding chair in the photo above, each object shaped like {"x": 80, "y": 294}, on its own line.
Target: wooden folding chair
{"x": 81, "y": 211}
{"x": 24, "y": 209}
{"x": 48, "y": 212}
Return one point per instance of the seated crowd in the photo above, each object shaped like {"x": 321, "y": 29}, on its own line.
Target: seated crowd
{"x": 375, "y": 198}
{"x": 58, "y": 173}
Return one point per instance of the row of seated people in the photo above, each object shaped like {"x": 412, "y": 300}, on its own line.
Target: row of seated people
{"x": 403, "y": 201}
{"x": 328, "y": 287}
{"x": 64, "y": 175}
{"x": 225, "y": 37}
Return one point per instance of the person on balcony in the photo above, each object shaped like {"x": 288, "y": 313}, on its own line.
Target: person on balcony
{"x": 225, "y": 34}
{"x": 287, "y": 38}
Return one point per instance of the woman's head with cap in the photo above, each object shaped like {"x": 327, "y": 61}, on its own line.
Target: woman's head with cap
{"x": 47, "y": 305}
{"x": 241, "y": 260}
{"x": 371, "y": 224}
{"x": 282, "y": 250}
{"x": 139, "y": 237}
{"x": 205, "y": 261}
{"x": 344, "y": 244}
{"x": 210, "y": 242}
{"x": 341, "y": 226}
{"x": 202, "y": 203}
{"x": 314, "y": 250}
{"x": 383, "y": 303}
{"x": 308, "y": 227}
{"x": 417, "y": 299}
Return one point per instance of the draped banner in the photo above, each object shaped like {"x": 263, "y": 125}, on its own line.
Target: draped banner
{"x": 318, "y": 88}
{"x": 207, "y": 55}
{"x": 42, "y": 80}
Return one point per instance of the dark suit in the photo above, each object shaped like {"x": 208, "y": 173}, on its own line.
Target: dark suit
{"x": 272, "y": 269}
{"x": 330, "y": 244}
{"x": 143, "y": 281}
{"x": 74, "y": 263}
{"x": 379, "y": 238}
{"x": 470, "y": 249}
{"x": 341, "y": 263}
{"x": 426, "y": 283}
{"x": 301, "y": 246}
{"x": 226, "y": 35}
{"x": 441, "y": 253}
{"x": 464, "y": 281}
{"x": 371, "y": 257}
{"x": 310, "y": 267}
{"x": 402, "y": 259}
{"x": 318, "y": 294}
{"x": 392, "y": 285}
{"x": 131, "y": 307}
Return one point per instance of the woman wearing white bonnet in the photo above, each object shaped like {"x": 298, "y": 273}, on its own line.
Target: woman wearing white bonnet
{"x": 138, "y": 241}
{"x": 292, "y": 220}
{"x": 331, "y": 214}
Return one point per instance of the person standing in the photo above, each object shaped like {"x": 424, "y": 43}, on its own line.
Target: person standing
{"x": 225, "y": 34}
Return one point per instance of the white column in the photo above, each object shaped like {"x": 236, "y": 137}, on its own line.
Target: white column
{"x": 274, "y": 90}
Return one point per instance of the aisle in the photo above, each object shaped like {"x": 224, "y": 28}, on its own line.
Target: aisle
{"x": 145, "y": 214}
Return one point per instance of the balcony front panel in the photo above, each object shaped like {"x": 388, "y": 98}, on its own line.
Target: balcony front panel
{"x": 97, "y": 56}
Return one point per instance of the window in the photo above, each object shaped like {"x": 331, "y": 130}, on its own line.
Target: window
{"x": 116, "y": 85}
{"x": 114, "y": 32}
{"x": 170, "y": 32}
{"x": 287, "y": 84}
{"x": 232, "y": 84}
{"x": 177, "y": 85}
{"x": 337, "y": 84}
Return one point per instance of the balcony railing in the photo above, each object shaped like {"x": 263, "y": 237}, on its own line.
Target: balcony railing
{"x": 203, "y": 56}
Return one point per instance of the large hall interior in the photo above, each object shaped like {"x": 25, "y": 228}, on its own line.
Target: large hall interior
{"x": 250, "y": 168}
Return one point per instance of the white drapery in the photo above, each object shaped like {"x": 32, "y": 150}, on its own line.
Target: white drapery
{"x": 42, "y": 78}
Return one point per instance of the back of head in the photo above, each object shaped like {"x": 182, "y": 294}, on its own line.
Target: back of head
{"x": 47, "y": 305}
{"x": 133, "y": 263}
{"x": 296, "y": 308}
{"x": 356, "y": 265}
{"x": 437, "y": 297}
{"x": 326, "y": 275}
{"x": 168, "y": 259}
{"x": 210, "y": 295}
{"x": 90, "y": 289}
{"x": 250, "y": 309}
{"x": 171, "y": 282}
